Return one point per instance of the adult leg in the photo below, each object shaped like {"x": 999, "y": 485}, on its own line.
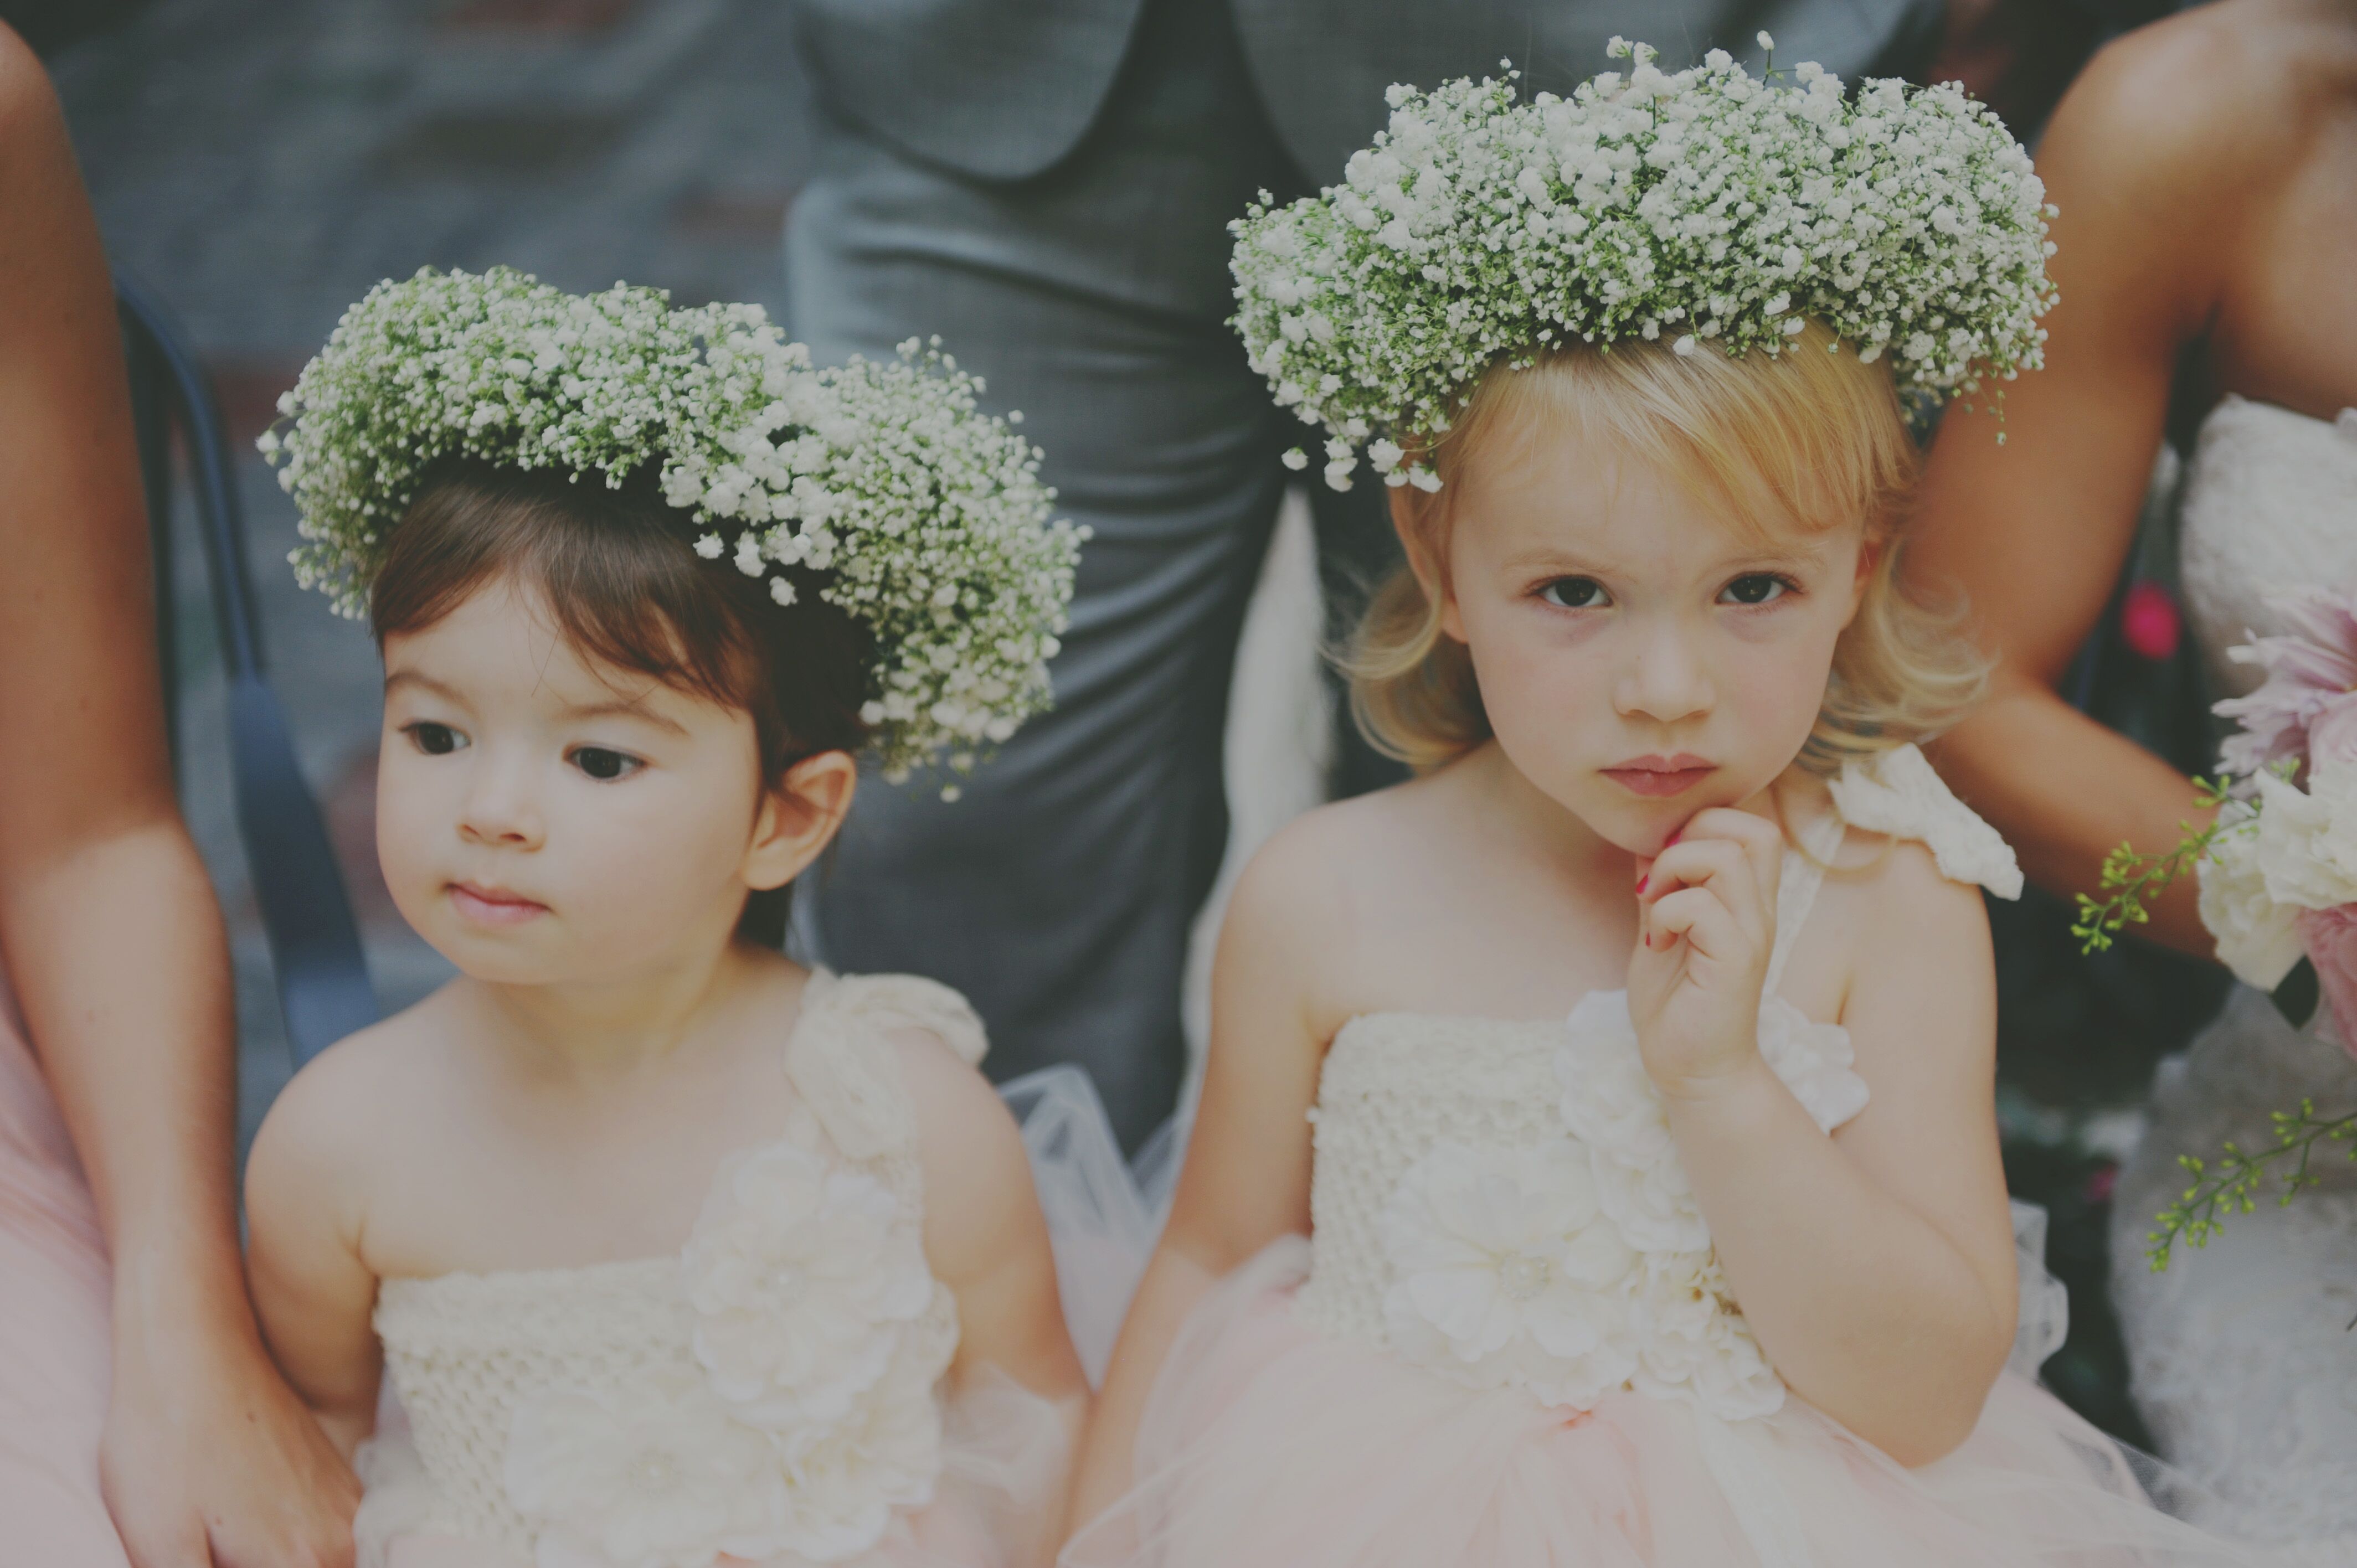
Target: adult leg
{"x": 1058, "y": 892}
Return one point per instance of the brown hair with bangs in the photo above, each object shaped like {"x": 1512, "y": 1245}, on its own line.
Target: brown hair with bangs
{"x": 627, "y": 589}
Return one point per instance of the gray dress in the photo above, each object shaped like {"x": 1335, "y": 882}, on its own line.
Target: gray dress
{"x": 1047, "y": 185}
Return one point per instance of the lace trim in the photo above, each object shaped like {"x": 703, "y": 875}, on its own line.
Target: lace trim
{"x": 1899, "y": 794}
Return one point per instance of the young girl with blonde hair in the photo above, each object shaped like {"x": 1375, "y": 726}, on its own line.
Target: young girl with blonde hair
{"x": 1597, "y": 1163}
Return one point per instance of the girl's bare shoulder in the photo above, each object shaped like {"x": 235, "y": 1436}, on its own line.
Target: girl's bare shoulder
{"x": 359, "y": 1098}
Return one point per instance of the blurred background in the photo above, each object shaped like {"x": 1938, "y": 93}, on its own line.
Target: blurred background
{"x": 259, "y": 164}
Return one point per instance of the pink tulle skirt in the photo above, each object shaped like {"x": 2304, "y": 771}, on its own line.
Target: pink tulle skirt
{"x": 1266, "y": 1442}
{"x": 53, "y": 1330}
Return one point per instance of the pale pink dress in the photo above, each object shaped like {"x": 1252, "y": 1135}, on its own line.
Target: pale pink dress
{"x": 53, "y": 1329}
{"x": 1507, "y": 1342}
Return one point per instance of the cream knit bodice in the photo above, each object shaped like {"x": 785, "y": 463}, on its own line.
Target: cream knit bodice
{"x": 1498, "y": 1199}
{"x": 770, "y": 1391}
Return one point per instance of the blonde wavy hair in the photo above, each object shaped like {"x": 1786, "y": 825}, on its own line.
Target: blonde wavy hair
{"x": 1810, "y": 438}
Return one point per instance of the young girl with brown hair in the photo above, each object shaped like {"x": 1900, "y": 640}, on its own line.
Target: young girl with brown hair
{"x": 675, "y": 1251}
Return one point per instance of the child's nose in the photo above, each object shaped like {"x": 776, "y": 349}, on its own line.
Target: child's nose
{"x": 501, "y": 809}
{"x": 1665, "y": 682}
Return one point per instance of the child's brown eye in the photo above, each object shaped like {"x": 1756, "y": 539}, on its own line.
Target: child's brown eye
{"x": 1755, "y": 588}
{"x": 433, "y": 739}
{"x": 600, "y": 764}
{"x": 1575, "y": 594}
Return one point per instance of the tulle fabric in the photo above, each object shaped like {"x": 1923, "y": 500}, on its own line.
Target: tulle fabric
{"x": 1103, "y": 1213}
{"x": 1267, "y": 1443}
{"x": 54, "y": 1317}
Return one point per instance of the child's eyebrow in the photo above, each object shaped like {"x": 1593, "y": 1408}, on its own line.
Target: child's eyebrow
{"x": 396, "y": 678}
{"x": 629, "y": 708}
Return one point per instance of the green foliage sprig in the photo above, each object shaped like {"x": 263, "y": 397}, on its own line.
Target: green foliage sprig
{"x": 2231, "y": 1184}
{"x": 2132, "y": 880}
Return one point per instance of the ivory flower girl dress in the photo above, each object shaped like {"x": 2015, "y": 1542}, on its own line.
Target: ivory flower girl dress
{"x": 1508, "y": 1341}
{"x": 772, "y": 1394}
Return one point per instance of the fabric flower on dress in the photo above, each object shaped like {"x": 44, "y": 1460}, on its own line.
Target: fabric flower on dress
{"x": 885, "y": 1455}
{"x": 1506, "y": 1272}
{"x": 804, "y": 1277}
{"x": 653, "y": 1474}
{"x": 1612, "y": 1106}
{"x": 1814, "y": 1060}
{"x": 1695, "y": 1343}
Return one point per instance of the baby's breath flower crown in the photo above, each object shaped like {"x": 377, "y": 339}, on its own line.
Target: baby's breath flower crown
{"x": 1707, "y": 205}
{"x": 927, "y": 517}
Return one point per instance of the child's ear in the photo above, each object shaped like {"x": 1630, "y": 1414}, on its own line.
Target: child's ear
{"x": 1869, "y": 557}
{"x": 798, "y": 818}
{"x": 1412, "y": 513}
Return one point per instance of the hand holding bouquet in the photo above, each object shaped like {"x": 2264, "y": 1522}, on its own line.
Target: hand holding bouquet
{"x": 2278, "y": 869}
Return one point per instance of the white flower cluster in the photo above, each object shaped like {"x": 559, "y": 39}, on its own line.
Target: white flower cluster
{"x": 1706, "y": 206}
{"x": 811, "y": 1416}
{"x": 2295, "y": 850}
{"x": 925, "y": 518}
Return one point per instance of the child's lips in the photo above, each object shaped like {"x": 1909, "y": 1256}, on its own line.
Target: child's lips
{"x": 493, "y": 906}
{"x": 1659, "y": 777}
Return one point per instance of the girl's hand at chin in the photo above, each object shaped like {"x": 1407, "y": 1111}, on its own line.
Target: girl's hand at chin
{"x": 1705, "y": 926}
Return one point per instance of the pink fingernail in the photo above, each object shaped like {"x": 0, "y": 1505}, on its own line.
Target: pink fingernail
{"x": 1641, "y": 881}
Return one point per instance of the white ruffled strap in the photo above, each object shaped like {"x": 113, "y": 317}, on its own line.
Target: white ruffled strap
{"x": 839, "y": 1064}
{"x": 1899, "y": 794}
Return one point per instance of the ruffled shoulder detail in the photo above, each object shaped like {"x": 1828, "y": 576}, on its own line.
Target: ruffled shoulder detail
{"x": 839, "y": 1064}
{"x": 1897, "y": 793}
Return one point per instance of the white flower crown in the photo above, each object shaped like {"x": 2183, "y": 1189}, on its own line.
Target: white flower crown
{"x": 1706, "y": 204}
{"x": 928, "y": 518}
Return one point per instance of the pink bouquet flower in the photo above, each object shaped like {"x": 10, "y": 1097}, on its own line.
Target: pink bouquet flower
{"x": 2283, "y": 881}
{"x": 2310, "y": 668}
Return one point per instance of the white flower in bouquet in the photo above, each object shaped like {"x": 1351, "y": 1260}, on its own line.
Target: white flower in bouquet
{"x": 2258, "y": 937}
{"x": 2307, "y": 839}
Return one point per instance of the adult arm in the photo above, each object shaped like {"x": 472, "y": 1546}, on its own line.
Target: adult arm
{"x": 2034, "y": 530}
{"x": 1246, "y": 1181}
{"x": 108, "y": 928}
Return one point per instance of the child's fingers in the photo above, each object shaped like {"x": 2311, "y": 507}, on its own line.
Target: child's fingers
{"x": 1703, "y": 920}
{"x": 1762, "y": 841}
{"x": 1714, "y": 865}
